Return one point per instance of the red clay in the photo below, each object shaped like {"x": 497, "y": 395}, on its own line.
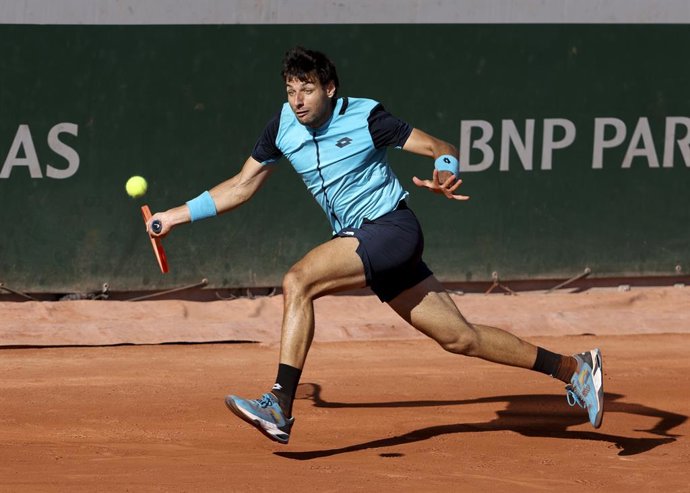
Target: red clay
{"x": 375, "y": 415}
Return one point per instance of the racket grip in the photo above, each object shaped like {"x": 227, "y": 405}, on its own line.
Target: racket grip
{"x": 156, "y": 226}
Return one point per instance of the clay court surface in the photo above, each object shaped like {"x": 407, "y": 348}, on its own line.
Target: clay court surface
{"x": 379, "y": 409}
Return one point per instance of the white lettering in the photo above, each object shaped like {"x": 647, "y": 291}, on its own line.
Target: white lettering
{"x": 510, "y": 134}
{"x": 670, "y": 138}
{"x": 22, "y": 139}
{"x": 642, "y": 133}
{"x": 466, "y": 145}
{"x": 549, "y": 145}
{"x": 63, "y": 150}
{"x": 600, "y": 143}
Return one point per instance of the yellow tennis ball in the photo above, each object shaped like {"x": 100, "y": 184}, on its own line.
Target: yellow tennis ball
{"x": 136, "y": 186}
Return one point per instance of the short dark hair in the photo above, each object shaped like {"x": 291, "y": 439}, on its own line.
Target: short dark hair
{"x": 301, "y": 64}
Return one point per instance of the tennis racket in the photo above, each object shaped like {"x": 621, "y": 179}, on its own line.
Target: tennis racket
{"x": 156, "y": 242}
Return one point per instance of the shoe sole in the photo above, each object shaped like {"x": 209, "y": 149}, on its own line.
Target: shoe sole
{"x": 255, "y": 422}
{"x": 598, "y": 364}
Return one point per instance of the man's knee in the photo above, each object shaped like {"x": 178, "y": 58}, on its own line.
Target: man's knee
{"x": 461, "y": 341}
{"x": 297, "y": 282}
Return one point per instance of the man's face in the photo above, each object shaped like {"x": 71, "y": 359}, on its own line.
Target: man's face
{"x": 310, "y": 101}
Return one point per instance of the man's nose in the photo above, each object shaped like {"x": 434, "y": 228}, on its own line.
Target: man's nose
{"x": 299, "y": 99}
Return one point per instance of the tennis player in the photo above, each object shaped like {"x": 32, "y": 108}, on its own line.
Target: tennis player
{"x": 338, "y": 146}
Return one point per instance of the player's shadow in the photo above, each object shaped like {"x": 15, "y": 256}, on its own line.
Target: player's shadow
{"x": 530, "y": 415}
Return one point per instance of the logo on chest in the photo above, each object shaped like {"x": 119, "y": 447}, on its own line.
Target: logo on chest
{"x": 345, "y": 141}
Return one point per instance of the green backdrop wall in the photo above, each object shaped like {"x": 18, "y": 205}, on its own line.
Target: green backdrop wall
{"x": 587, "y": 163}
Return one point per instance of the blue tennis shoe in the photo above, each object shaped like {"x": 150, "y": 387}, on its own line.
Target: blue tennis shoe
{"x": 586, "y": 387}
{"x": 265, "y": 414}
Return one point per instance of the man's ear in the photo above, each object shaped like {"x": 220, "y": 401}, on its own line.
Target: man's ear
{"x": 330, "y": 89}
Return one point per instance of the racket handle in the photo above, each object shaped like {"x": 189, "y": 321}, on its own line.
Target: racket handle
{"x": 156, "y": 226}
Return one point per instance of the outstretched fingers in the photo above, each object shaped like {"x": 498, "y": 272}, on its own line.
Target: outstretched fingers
{"x": 449, "y": 185}
{"x": 448, "y": 192}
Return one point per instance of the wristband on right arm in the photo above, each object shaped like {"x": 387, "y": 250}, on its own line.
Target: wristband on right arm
{"x": 202, "y": 207}
{"x": 447, "y": 162}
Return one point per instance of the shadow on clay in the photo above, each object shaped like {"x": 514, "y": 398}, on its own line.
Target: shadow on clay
{"x": 546, "y": 416}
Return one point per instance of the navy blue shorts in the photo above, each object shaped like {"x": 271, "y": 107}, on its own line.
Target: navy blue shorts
{"x": 391, "y": 250}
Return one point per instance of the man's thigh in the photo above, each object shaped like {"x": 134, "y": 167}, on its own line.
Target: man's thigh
{"x": 330, "y": 267}
{"x": 428, "y": 308}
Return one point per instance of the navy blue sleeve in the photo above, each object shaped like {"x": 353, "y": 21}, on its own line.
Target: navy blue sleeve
{"x": 386, "y": 129}
{"x": 265, "y": 149}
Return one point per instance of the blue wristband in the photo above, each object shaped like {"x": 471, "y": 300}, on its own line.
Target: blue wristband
{"x": 202, "y": 207}
{"x": 447, "y": 163}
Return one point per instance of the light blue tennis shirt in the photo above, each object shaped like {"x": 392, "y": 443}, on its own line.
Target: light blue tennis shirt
{"x": 343, "y": 163}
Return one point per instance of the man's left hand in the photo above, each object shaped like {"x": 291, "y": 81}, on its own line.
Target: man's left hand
{"x": 442, "y": 182}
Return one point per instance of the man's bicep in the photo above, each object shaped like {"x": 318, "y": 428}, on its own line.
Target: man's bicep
{"x": 419, "y": 143}
{"x": 250, "y": 178}
{"x": 254, "y": 173}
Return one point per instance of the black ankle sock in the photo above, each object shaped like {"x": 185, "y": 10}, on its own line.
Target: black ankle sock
{"x": 555, "y": 365}
{"x": 286, "y": 386}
